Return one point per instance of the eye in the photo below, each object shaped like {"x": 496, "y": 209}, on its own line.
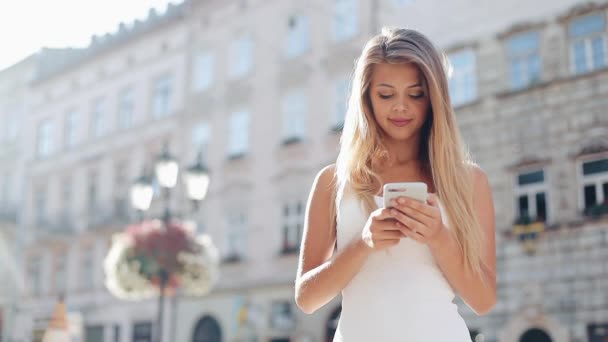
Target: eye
{"x": 385, "y": 96}
{"x": 417, "y": 96}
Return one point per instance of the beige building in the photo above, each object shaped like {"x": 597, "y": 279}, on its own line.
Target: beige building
{"x": 534, "y": 115}
{"x": 259, "y": 87}
{"x": 13, "y": 106}
{"x": 96, "y": 117}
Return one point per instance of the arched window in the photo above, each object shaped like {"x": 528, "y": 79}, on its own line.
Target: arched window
{"x": 535, "y": 335}
{"x": 207, "y": 330}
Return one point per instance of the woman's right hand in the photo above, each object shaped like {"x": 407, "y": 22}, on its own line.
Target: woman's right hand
{"x": 381, "y": 230}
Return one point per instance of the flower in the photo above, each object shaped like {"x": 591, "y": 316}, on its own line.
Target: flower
{"x": 146, "y": 253}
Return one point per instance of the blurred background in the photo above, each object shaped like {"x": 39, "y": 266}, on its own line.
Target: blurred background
{"x": 92, "y": 92}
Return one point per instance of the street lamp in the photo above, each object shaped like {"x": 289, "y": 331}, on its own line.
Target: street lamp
{"x": 166, "y": 171}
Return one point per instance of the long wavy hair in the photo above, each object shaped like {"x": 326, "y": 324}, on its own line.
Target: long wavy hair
{"x": 442, "y": 151}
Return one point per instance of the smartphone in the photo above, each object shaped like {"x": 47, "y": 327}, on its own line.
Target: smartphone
{"x": 415, "y": 190}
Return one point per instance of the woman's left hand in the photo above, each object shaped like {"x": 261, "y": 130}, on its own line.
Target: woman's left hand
{"x": 419, "y": 221}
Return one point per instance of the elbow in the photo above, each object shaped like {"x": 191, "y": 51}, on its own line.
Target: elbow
{"x": 302, "y": 302}
{"x": 304, "y": 306}
{"x": 486, "y": 306}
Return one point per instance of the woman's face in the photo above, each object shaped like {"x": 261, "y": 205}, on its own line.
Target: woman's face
{"x": 399, "y": 101}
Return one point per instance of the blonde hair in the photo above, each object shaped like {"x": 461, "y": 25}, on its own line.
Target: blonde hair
{"x": 442, "y": 150}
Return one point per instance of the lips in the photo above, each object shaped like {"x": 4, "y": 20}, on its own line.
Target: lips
{"x": 400, "y": 122}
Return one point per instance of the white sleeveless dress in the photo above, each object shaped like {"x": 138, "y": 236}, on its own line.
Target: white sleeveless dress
{"x": 400, "y": 294}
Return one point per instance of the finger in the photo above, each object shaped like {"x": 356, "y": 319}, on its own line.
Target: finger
{"x": 413, "y": 235}
{"x": 382, "y": 214}
{"x": 390, "y": 224}
{"x": 409, "y": 222}
{"x": 416, "y": 215}
{"x": 423, "y": 208}
{"x": 433, "y": 200}
{"x": 390, "y": 235}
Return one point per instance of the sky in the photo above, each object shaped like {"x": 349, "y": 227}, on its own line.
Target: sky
{"x": 28, "y": 25}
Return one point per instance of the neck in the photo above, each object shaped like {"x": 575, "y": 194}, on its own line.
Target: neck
{"x": 404, "y": 153}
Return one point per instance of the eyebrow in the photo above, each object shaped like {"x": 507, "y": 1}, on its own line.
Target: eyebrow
{"x": 390, "y": 86}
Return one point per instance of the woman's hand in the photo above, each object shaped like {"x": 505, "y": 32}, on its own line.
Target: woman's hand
{"x": 381, "y": 230}
{"x": 421, "y": 221}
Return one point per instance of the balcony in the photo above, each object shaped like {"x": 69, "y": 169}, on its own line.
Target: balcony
{"x": 57, "y": 227}
{"x": 527, "y": 231}
{"x": 596, "y": 211}
{"x": 111, "y": 217}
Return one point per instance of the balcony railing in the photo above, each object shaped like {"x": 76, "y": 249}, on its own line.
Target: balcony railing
{"x": 597, "y": 210}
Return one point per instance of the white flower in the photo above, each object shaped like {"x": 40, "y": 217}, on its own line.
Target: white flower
{"x": 201, "y": 270}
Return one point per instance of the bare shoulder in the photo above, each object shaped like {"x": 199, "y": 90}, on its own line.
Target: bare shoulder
{"x": 318, "y": 237}
{"x": 326, "y": 176}
{"x": 480, "y": 178}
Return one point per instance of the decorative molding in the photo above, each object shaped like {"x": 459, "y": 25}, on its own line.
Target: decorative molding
{"x": 581, "y": 9}
{"x": 528, "y": 161}
{"x": 520, "y": 27}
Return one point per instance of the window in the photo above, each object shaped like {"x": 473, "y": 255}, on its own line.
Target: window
{"x": 597, "y": 332}
{"x": 201, "y": 136}
{"x": 121, "y": 175}
{"x": 587, "y": 43}
{"x": 203, "y": 71}
{"x": 241, "y": 56}
{"x": 298, "y": 37}
{"x": 531, "y": 193}
{"x": 341, "y": 94}
{"x": 116, "y": 333}
{"x": 294, "y": 109}
{"x": 45, "y": 138}
{"x": 97, "y": 119}
{"x": 281, "y": 316}
{"x": 142, "y": 332}
{"x": 293, "y": 218}
{"x": 463, "y": 82}
{"x": 12, "y": 127}
{"x": 524, "y": 59}
{"x": 594, "y": 175}
{"x": 5, "y": 190}
{"x": 88, "y": 266}
{"x": 345, "y": 19}
{"x": 92, "y": 193}
{"x": 71, "y": 129}
{"x": 162, "y": 96}
{"x": 94, "y": 333}
{"x": 59, "y": 273}
{"x": 34, "y": 270}
{"x": 66, "y": 198}
{"x": 126, "y": 108}
{"x": 236, "y": 239}
{"x": 239, "y": 134}
{"x": 40, "y": 205}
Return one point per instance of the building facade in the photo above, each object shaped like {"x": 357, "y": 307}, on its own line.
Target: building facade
{"x": 259, "y": 89}
{"x": 13, "y": 106}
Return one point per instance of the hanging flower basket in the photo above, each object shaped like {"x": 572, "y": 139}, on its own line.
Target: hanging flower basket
{"x": 146, "y": 252}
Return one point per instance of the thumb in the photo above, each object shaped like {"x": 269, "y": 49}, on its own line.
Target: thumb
{"x": 433, "y": 200}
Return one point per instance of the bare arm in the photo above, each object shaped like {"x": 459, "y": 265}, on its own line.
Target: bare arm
{"x": 320, "y": 279}
{"x": 479, "y": 297}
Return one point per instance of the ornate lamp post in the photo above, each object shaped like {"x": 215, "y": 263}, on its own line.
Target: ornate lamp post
{"x": 166, "y": 172}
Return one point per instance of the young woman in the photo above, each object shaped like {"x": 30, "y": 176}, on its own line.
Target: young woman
{"x": 398, "y": 268}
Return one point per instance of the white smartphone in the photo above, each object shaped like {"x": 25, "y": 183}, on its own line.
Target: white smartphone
{"x": 415, "y": 190}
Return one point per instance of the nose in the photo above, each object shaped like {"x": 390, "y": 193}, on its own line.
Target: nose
{"x": 400, "y": 105}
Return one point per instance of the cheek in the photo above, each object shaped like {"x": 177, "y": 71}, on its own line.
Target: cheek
{"x": 422, "y": 108}
{"x": 380, "y": 107}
